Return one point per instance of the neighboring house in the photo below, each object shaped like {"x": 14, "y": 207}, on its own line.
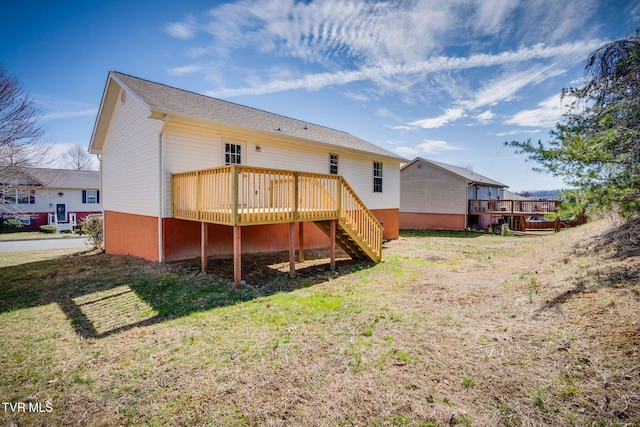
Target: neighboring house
{"x": 152, "y": 139}
{"x": 39, "y": 196}
{"x": 437, "y": 196}
{"x": 509, "y": 195}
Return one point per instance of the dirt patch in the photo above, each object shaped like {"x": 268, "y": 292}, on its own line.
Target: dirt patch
{"x": 261, "y": 269}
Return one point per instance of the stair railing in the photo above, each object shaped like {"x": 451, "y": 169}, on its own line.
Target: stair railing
{"x": 355, "y": 214}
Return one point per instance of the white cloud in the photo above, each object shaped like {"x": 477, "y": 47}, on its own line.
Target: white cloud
{"x": 184, "y": 70}
{"x": 375, "y": 32}
{"x": 180, "y": 30}
{"x": 382, "y": 42}
{"x": 385, "y": 112}
{"x": 547, "y": 114}
{"x": 485, "y": 116}
{"x": 491, "y": 15}
{"x": 517, "y": 132}
{"x": 356, "y": 96}
{"x": 449, "y": 115}
{"x": 501, "y": 89}
{"x": 69, "y": 114}
{"x": 403, "y": 127}
{"x": 429, "y": 146}
{"x": 407, "y": 152}
{"x": 506, "y": 87}
{"x": 438, "y": 64}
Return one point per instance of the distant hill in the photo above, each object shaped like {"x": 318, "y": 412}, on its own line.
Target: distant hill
{"x": 542, "y": 194}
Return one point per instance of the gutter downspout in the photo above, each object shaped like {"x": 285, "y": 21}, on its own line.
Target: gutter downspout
{"x": 162, "y": 189}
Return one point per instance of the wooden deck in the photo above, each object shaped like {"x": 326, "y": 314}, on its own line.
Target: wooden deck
{"x": 516, "y": 211}
{"x": 513, "y": 207}
{"x": 242, "y": 195}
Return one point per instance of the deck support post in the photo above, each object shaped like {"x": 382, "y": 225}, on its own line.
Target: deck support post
{"x": 204, "y": 245}
{"x": 332, "y": 244}
{"x": 292, "y": 250}
{"x": 237, "y": 252}
{"x": 301, "y": 242}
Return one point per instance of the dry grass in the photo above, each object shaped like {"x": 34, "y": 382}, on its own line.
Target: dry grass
{"x": 453, "y": 329}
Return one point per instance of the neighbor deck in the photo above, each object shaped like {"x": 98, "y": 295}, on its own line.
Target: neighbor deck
{"x": 513, "y": 207}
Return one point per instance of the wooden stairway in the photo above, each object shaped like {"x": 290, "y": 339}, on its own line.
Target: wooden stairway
{"x": 349, "y": 241}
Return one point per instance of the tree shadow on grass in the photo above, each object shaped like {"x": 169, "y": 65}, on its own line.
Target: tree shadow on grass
{"x": 102, "y": 295}
{"x": 619, "y": 249}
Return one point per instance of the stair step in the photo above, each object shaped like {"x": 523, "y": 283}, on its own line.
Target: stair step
{"x": 345, "y": 240}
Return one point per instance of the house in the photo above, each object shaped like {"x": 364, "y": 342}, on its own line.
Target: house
{"x": 439, "y": 196}
{"x": 186, "y": 175}
{"x": 436, "y": 196}
{"x": 40, "y": 196}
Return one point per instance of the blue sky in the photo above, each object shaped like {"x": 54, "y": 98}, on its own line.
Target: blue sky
{"x": 448, "y": 80}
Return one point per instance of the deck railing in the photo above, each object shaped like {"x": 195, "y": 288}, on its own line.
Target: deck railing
{"x": 513, "y": 207}
{"x": 244, "y": 195}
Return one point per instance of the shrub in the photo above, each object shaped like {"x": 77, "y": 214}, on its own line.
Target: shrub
{"x": 11, "y": 225}
{"x": 49, "y": 229}
{"x": 92, "y": 226}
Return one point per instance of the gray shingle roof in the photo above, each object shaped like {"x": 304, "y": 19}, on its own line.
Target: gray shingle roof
{"x": 166, "y": 99}
{"x": 509, "y": 195}
{"x": 65, "y": 178}
{"x": 470, "y": 176}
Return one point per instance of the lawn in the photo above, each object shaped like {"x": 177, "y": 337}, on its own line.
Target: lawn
{"x": 34, "y": 235}
{"x": 452, "y": 329}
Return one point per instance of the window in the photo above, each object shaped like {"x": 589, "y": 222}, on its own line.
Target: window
{"x": 26, "y": 197}
{"x": 90, "y": 196}
{"x": 17, "y": 195}
{"x": 333, "y": 164}
{"x": 377, "y": 177}
{"x": 5, "y": 195}
{"x": 232, "y": 154}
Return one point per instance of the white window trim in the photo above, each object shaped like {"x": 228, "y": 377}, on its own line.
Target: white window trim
{"x": 337, "y": 163}
{"x": 381, "y": 176}
{"x": 95, "y": 197}
{"x": 16, "y": 196}
{"x": 243, "y": 152}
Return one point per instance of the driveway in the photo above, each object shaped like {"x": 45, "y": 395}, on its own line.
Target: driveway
{"x": 43, "y": 245}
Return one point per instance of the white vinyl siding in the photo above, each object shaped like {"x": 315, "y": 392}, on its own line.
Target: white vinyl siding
{"x": 46, "y": 199}
{"x": 189, "y": 148}
{"x": 130, "y": 160}
{"x": 428, "y": 189}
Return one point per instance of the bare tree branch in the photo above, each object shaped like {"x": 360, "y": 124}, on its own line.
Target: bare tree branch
{"x": 21, "y": 143}
{"x": 77, "y": 158}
